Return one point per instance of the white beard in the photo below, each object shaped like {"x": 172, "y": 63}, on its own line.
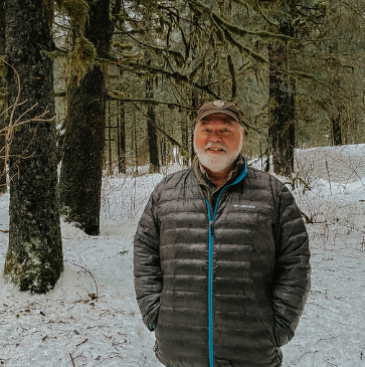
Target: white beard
{"x": 217, "y": 162}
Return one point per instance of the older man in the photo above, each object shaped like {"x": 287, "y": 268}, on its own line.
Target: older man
{"x": 221, "y": 256}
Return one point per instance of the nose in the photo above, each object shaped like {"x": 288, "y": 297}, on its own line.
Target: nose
{"x": 214, "y": 137}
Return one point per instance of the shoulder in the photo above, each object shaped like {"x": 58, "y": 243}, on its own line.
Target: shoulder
{"x": 175, "y": 180}
{"x": 175, "y": 186}
{"x": 176, "y": 177}
{"x": 262, "y": 179}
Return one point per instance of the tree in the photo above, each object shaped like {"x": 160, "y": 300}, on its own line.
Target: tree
{"x": 3, "y": 97}
{"x": 281, "y": 107}
{"x": 152, "y": 131}
{"x": 34, "y": 260}
{"x": 81, "y": 172}
{"x": 272, "y": 59}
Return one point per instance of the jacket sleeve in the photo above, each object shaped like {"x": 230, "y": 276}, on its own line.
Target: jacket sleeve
{"x": 292, "y": 275}
{"x": 147, "y": 266}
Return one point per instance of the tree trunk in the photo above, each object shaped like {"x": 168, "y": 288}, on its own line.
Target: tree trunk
{"x": 336, "y": 123}
{"x": 3, "y": 99}
{"x": 152, "y": 135}
{"x": 281, "y": 108}
{"x": 121, "y": 142}
{"x": 34, "y": 260}
{"x": 81, "y": 173}
{"x": 135, "y": 142}
{"x": 336, "y": 130}
{"x": 163, "y": 151}
{"x": 185, "y": 139}
{"x": 194, "y": 104}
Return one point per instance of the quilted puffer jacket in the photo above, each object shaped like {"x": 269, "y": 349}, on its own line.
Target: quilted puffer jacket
{"x": 223, "y": 286}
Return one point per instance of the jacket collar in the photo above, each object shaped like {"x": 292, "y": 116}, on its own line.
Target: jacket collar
{"x": 236, "y": 175}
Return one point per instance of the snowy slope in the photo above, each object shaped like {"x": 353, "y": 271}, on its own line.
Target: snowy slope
{"x": 42, "y": 330}
{"x": 51, "y": 330}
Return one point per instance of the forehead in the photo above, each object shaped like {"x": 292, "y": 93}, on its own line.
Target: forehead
{"x": 218, "y": 118}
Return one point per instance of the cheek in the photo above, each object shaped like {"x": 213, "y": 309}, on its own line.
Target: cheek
{"x": 233, "y": 143}
{"x": 200, "y": 141}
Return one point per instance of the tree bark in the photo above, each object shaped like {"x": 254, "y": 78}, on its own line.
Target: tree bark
{"x": 152, "y": 134}
{"x": 281, "y": 108}
{"x": 194, "y": 104}
{"x": 336, "y": 129}
{"x": 34, "y": 260}
{"x": 336, "y": 123}
{"x": 185, "y": 139}
{"x": 81, "y": 172}
{"x": 3, "y": 102}
{"x": 121, "y": 142}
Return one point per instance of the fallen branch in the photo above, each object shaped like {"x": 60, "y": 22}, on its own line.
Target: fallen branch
{"x": 82, "y": 342}
{"x": 333, "y": 337}
{"x": 305, "y": 354}
{"x": 72, "y": 360}
{"x": 89, "y": 272}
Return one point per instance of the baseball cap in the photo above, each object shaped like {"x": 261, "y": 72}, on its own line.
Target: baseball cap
{"x": 219, "y": 106}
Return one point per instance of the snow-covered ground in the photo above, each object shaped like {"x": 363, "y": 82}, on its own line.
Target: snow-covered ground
{"x": 69, "y": 327}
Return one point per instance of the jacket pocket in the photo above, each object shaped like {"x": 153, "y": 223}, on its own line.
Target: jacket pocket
{"x": 278, "y": 352}
{"x": 281, "y": 335}
{"x": 276, "y": 337}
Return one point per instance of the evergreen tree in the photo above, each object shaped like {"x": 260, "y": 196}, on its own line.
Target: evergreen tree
{"x": 152, "y": 131}
{"x": 269, "y": 58}
{"x": 3, "y": 99}
{"x": 34, "y": 260}
{"x": 281, "y": 105}
{"x": 81, "y": 172}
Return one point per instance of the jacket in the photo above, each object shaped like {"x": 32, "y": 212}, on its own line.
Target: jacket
{"x": 223, "y": 286}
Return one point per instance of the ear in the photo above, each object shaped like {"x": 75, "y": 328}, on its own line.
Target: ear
{"x": 243, "y": 135}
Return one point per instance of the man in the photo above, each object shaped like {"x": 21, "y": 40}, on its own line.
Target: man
{"x": 221, "y": 256}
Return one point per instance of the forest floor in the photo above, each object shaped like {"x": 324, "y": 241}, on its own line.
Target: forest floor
{"x": 68, "y": 327}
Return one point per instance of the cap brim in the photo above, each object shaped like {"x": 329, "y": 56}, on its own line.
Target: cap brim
{"x": 215, "y": 112}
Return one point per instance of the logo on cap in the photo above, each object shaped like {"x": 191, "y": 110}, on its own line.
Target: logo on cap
{"x": 218, "y": 103}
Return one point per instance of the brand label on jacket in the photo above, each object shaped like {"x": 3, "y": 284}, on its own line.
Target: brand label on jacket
{"x": 244, "y": 206}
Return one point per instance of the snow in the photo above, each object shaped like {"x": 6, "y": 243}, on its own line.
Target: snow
{"x": 68, "y": 325}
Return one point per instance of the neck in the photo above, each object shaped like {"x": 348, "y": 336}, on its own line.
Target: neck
{"x": 220, "y": 178}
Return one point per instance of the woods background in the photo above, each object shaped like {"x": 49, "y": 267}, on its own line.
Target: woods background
{"x": 124, "y": 81}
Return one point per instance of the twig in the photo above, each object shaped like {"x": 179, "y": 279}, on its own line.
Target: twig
{"x": 329, "y": 177}
{"x": 307, "y": 219}
{"x": 72, "y": 360}
{"x": 326, "y": 339}
{"x": 15, "y": 164}
{"x": 89, "y": 272}
{"x": 9, "y": 130}
{"x": 82, "y": 342}
{"x": 305, "y": 354}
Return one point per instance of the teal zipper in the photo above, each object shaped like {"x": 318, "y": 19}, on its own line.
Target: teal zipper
{"x": 210, "y": 269}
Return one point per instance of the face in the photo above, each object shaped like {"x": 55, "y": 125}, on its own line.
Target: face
{"x": 218, "y": 140}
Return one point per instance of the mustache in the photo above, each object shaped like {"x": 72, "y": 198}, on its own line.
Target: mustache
{"x": 216, "y": 145}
